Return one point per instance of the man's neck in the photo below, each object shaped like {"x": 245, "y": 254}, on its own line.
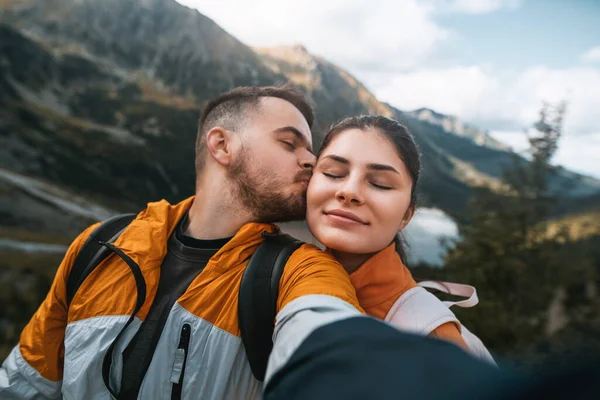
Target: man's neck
{"x": 215, "y": 217}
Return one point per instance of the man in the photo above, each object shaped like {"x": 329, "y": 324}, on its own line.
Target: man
{"x": 158, "y": 319}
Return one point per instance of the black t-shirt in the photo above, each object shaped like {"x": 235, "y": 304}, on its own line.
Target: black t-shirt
{"x": 186, "y": 257}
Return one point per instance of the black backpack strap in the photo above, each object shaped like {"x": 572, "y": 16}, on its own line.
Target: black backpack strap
{"x": 257, "y": 302}
{"x": 92, "y": 252}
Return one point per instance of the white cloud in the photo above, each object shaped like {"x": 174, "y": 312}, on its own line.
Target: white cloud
{"x": 483, "y": 6}
{"x": 355, "y": 34}
{"x": 580, "y": 153}
{"x": 592, "y": 55}
{"x": 388, "y": 45}
{"x": 577, "y": 153}
{"x": 498, "y": 100}
{"x": 515, "y": 139}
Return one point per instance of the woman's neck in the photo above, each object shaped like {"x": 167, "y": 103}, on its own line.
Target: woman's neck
{"x": 350, "y": 261}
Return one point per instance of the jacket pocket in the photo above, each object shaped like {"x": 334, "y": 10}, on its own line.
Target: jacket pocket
{"x": 178, "y": 370}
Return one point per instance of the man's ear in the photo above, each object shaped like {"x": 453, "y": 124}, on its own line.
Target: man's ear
{"x": 220, "y": 145}
{"x": 410, "y": 212}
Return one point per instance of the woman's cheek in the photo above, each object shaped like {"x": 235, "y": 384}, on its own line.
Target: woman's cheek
{"x": 316, "y": 190}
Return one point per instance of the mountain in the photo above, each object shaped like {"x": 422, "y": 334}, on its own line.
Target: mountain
{"x": 456, "y": 156}
{"x": 454, "y": 126}
{"x": 99, "y": 102}
{"x": 335, "y": 92}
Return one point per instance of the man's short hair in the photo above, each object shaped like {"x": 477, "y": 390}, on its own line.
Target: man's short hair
{"x": 231, "y": 109}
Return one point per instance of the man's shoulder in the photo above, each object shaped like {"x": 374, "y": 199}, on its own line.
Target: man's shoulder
{"x": 312, "y": 271}
{"x": 79, "y": 241}
{"x": 309, "y": 254}
{"x": 312, "y": 263}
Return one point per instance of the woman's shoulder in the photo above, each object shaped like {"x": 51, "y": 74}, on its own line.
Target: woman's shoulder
{"x": 380, "y": 281}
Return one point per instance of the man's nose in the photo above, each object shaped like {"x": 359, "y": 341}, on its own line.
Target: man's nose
{"x": 307, "y": 160}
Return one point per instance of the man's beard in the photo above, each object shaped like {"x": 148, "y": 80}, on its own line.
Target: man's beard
{"x": 262, "y": 194}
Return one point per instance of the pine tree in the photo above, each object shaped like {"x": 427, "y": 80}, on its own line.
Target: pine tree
{"x": 505, "y": 249}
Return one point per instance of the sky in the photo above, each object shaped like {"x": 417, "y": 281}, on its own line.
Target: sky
{"x": 488, "y": 62}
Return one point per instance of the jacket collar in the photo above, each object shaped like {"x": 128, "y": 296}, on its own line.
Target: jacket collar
{"x": 146, "y": 238}
{"x": 380, "y": 280}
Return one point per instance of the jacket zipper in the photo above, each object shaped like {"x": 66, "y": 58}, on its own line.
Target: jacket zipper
{"x": 180, "y": 360}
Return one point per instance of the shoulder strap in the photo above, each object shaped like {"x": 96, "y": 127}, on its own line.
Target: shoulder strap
{"x": 257, "y": 301}
{"x": 454, "y": 289}
{"x": 92, "y": 252}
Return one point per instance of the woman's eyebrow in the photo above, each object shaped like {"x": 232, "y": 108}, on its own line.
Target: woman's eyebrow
{"x": 382, "y": 167}
{"x": 339, "y": 159}
{"x": 371, "y": 166}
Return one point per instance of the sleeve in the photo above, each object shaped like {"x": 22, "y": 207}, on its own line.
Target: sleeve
{"x": 450, "y": 333}
{"x": 314, "y": 291}
{"x": 365, "y": 358}
{"x": 311, "y": 271}
{"x": 34, "y": 367}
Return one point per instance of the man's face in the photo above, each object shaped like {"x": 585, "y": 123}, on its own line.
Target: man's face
{"x": 272, "y": 172}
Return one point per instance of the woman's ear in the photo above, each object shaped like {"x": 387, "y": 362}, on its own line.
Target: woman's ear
{"x": 220, "y": 146}
{"x": 410, "y": 212}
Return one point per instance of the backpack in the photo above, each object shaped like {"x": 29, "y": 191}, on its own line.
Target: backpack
{"x": 420, "y": 312}
{"x": 259, "y": 287}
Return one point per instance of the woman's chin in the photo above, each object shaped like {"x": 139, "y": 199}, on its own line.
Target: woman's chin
{"x": 342, "y": 245}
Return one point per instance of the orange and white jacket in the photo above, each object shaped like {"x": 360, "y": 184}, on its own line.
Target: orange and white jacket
{"x": 61, "y": 350}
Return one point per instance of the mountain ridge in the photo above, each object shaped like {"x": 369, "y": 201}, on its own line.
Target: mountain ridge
{"x": 93, "y": 93}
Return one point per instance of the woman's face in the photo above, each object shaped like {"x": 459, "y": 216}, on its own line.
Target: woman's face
{"x": 359, "y": 195}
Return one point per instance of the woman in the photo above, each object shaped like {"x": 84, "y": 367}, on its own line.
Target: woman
{"x": 361, "y": 195}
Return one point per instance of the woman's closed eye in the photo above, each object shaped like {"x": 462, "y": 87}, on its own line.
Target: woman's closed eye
{"x": 382, "y": 187}
{"x": 332, "y": 176}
